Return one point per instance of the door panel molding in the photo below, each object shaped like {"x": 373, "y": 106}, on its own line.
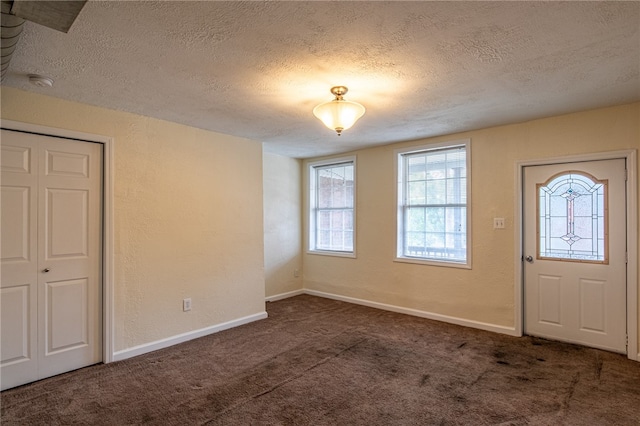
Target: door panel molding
{"x": 59, "y": 245}
{"x": 632, "y": 237}
{"x": 592, "y": 306}
{"x": 108, "y": 218}
{"x": 75, "y": 332}
{"x": 15, "y": 307}
{"x": 549, "y": 297}
{"x": 12, "y": 223}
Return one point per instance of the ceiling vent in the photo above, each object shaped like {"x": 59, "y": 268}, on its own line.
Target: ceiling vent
{"x": 57, "y": 15}
{"x": 11, "y": 30}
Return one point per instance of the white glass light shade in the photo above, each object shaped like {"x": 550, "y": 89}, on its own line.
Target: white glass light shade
{"x": 339, "y": 114}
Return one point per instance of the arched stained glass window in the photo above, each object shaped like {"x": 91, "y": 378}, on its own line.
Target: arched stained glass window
{"x": 572, "y": 218}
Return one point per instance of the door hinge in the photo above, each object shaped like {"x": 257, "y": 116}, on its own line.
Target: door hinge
{"x": 626, "y": 175}
{"x": 626, "y": 257}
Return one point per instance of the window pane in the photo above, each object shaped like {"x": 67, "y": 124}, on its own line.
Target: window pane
{"x": 436, "y": 191}
{"x": 348, "y": 240}
{"x": 416, "y": 168}
{"x": 416, "y": 192}
{"x": 337, "y": 240}
{"x": 324, "y": 241}
{"x": 348, "y": 220}
{"x": 324, "y": 219}
{"x": 415, "y": 219}
{"x": 456, "y": 191}
{"x": 336, "y": 219}
{"x": 324, "y": 188}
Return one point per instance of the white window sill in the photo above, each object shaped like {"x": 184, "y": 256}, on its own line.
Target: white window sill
{"x": 432, "y": 262}
{"x": 333, "y": 253}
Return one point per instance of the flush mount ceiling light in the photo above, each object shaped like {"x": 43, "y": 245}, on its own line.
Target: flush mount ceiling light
{"x": 339, "y": 114}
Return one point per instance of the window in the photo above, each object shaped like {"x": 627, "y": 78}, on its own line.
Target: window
{"x": 433, "y": 213}
{"x": 331, "y": 206}
{"x": 572, "y": 221}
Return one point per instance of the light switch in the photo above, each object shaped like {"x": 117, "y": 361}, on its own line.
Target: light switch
{"x": 498, "y": 223}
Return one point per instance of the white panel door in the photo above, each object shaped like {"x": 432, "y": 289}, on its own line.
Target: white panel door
{"x": 19, "y": 257}
{"x": 575, "y": 253}
{"x": 54, "y": 301}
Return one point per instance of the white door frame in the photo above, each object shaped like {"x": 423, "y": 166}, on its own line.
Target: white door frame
{"x": 632, "y": 239}
{"x": 107, "y": 225}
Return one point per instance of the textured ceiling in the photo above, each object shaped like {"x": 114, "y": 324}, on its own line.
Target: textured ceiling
{"x": 257, "y": 69}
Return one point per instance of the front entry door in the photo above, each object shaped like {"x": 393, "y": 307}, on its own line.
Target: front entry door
{"x": 51, "y": 251}
{"x": 575, "y": 253}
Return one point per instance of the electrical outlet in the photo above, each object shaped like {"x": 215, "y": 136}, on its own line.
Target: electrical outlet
{"x": 296, "y": 273}
{"x": 498, "y": 223}
{"x": 186, "y": 304}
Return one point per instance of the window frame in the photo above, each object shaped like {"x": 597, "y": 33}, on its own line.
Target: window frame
{"x": 312, "y": 192}
{"x": 399, "y": 161}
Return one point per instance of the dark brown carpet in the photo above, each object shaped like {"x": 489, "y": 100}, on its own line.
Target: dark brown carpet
{"x": 316, "y": 361}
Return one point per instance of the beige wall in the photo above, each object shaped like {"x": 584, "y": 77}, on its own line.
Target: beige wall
{"x": 282, "y": 224}
{"x": 486, "y": 292}
{"x": 187, "y": 213}
{"x": 182, "y": 228}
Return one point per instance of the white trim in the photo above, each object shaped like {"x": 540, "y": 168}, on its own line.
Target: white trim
{"x": 632, "y": 252}
{"x": 333, "y": 253}
{"x": 53, "y": 131}
{"x": 399, "y": 191}
{"x": 184, "y": 337}
{"x": 417, "y": 313}
{"x": 108, "y": 266}
{"x": 108, "y": 229}
{"x": 286, "y": 295}
{"x": 632, "y": 238}
{"x": 432, "y": 262}
{"x": 518, "y": 304}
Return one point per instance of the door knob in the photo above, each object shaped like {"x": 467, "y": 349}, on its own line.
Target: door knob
{"x": 46, "y": 270}
{"x": 529, "y": 259}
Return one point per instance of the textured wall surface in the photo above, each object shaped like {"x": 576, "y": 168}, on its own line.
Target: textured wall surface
{"x": 187, "y": 212}
{"x": 282, "y": 224}
{"x": 486, "y": 292}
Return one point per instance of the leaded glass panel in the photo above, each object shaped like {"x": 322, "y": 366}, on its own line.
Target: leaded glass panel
{"x": 572, "y": 222}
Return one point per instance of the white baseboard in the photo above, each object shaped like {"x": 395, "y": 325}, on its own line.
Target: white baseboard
{"x": 511, "y": 331}
{"x": 180, "y": 338}
{"x": 284, "y": 295}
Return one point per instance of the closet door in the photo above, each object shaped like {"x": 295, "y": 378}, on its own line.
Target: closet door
{"x": 19, "y": 256}
{"x": 51, "y": 296}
